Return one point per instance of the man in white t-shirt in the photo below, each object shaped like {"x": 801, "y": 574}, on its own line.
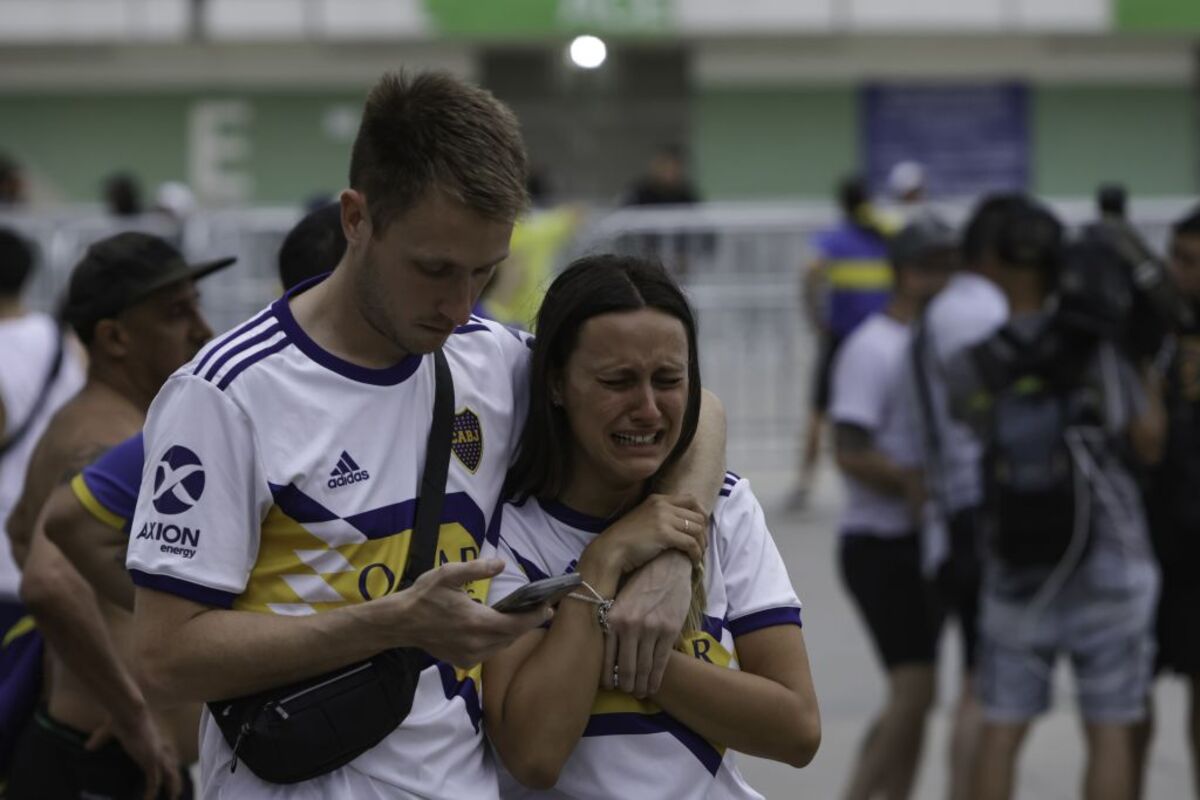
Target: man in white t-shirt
{"x": 283, "y": 464}
{"x": 966, "y": 312}
{"x": 37, "y": 375}
{"x": 879, "y": 551}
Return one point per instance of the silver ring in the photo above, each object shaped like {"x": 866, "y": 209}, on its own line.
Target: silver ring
{"x": 687, "y": 525}
{"x": 616, "y": 676}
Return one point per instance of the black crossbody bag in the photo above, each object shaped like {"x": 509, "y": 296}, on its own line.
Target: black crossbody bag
{"x": 306, "y": 729}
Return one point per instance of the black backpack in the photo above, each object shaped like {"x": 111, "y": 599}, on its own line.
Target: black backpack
{"x": 1034, "y": 392}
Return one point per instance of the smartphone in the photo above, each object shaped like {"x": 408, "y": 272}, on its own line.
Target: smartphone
{"x": 532, "y": 595}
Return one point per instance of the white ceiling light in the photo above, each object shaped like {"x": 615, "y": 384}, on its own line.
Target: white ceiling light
{"x": 588, "y": 52}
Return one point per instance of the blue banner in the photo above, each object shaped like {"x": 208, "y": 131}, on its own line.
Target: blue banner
{"x": 970, "y": 138}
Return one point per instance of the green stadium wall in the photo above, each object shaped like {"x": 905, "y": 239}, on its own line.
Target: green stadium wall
{"x": 748, "y": 142}
{"x": 1144, "y": 136}
{"x": 797, "y": 141}
{"x": 70, "y": 142}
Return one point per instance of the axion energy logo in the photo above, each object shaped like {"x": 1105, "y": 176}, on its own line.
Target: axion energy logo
{"x": 178, "y": 481}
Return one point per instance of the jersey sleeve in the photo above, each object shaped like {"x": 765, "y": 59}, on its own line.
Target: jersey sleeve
{"x": 203, "y": 496}
{"x": 859, "y": 390}
{"x": 757, "y": 586}
{"x": 517, "y": 349}
{"x": 108, "y": 487}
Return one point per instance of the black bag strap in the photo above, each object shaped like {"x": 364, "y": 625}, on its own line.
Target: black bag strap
{"x": 39, "y": 402}
{"x": 920, "y": 351}
{"x": 423, "y": 546}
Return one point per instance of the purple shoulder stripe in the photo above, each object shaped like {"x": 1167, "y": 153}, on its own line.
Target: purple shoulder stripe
{"x": 251, "y": 361}
{"x": 240, "y": 347}
{"x": 241, "y": 330}
{"x": 768, "y": 618}
{"x": 189, "y": 591}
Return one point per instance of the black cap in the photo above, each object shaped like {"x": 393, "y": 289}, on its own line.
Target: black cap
{"x": 120, "y": 271}
{"x": 924, "y": 236}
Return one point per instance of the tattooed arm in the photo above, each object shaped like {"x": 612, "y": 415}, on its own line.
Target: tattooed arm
{"x": 93, "y": 547}
{"x": 51, "y": 464}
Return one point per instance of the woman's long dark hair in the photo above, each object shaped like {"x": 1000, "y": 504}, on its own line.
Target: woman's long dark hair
{"x": 589, "y": 287}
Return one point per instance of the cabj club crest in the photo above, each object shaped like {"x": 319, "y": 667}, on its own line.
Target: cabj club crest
{"x": 466, "y": 440}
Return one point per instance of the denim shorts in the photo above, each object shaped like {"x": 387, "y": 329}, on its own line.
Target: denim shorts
{"x": 1103, "y": 625}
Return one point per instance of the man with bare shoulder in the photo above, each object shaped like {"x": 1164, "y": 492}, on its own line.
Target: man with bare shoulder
{"x": 133, "y": 303}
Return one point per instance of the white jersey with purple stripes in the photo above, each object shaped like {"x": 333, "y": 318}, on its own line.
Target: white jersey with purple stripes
{"x": 630, "y": 747}
{"x": 280, "y": 479}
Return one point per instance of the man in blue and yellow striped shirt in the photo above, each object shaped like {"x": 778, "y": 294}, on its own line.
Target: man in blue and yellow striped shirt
{"x": 848, "y": 280}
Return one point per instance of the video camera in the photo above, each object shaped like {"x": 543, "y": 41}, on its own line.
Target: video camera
{"x": 1113, "y": 286}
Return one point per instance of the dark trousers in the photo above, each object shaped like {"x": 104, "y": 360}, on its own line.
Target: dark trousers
{"x": 51, "y": 763}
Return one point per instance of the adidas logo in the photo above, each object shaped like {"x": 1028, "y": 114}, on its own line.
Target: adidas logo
{"x": 346, "y": 471}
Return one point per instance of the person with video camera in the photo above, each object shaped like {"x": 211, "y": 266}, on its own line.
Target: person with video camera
{"x": 1063, "y": 414}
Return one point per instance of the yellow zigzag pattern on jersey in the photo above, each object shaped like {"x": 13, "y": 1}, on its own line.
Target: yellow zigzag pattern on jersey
{"x": 299, "y": 572}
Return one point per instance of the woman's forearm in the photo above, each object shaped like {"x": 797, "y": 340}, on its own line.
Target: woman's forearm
{"x": 549, "y": 698}
{"x": 748, "y": 713}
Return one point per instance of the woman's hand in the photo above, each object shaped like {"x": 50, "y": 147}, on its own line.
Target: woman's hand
{"x": 660, "y": 523}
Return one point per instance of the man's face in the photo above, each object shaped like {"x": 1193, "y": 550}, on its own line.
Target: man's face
{"x": 164, "y": 331}
{"x": 418, "y": 279}
{"x": 1185, "y": 264}
{"x": 666, "y": 169}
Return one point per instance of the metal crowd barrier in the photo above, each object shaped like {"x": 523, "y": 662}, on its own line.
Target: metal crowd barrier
{"x": 739, "y": 263}
{"x": 741, "y": 266}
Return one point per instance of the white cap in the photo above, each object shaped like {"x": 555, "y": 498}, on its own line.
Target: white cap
{"x": 906, "y": 177}
{"x": 176, "y": 199}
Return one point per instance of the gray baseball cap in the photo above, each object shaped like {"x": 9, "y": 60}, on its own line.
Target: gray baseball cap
{"x": 922, "y": 237}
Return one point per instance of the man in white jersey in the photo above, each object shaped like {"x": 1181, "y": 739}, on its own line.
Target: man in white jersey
{"x": 37, "y": 375}
{"x": 879, "y": 552}
{"x": 282, "y": 465}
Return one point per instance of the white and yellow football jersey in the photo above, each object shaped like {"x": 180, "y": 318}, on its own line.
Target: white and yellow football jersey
{"x": 280, "y": 479}
{"x": 631, "y": 747}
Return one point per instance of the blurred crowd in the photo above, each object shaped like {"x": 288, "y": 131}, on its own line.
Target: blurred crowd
{"x": 1014, "y": 411}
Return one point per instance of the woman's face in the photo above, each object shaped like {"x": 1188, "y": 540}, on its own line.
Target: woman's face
{"x": 624, "y": 390}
